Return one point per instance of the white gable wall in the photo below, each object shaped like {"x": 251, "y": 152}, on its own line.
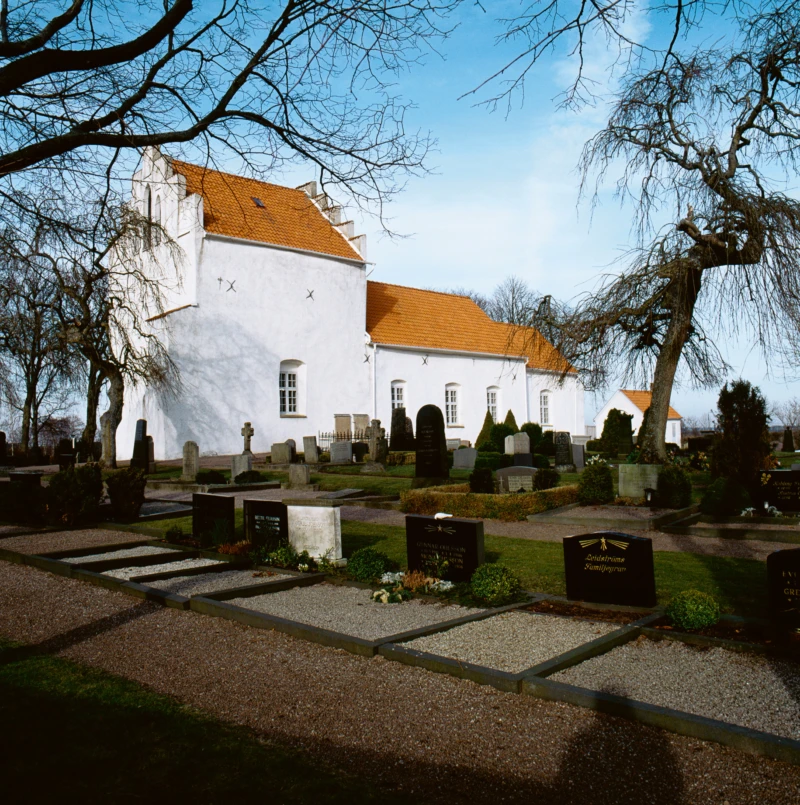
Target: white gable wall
{"x": 623, "y": 403}
{"x": 566, "y": 410}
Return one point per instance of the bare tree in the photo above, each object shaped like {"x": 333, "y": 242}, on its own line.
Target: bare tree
{"x": 512, "y": 301}
{"x": 787, "y": 413}
{"x": 702, "y": 133}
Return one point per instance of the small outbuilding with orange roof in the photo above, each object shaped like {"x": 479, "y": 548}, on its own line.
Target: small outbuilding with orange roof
{"x": 636, "y": 402}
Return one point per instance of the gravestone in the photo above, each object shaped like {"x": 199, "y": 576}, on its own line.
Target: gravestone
{"x": 191, "y": 461}
{"x": 410, "y": 443}
{"x": 509, "y": 445}
{"x": 453, "y": 444}
{"x": 316, "y": 529}
{"x": 464, "y": 458}
{"x": 151, "y": 455}
{"x": 341, "y": 452}
{"x": 522, "y": 443}
{"x": 795, "y": 467}
{"x": 106, "y": 438}
{"x": 140, "y": 457}
{"x": 523, "y": 459}
{"x": 299, "y": 475}
{"x": 456, "y": 540}
{"x": 293, "y": 448}
{"x": 520, "y": 483}
{"x": 310, "y": 449}
{"x": 374, "y": 434}
{"x": 431, "y": 447}
{"x": 563, "y": 449}
{"x": 578, "y": 456}
{"x": 360, "y": 451}
{"x": 783, "y": 579}
{"x": 2, "y": 444}
{"x": 504, "y": 474}
{"x": 265, "y": 524}
{"x": 341, "y": 426}
{"x": 281, "y": 453}
{"x": 213, "y": 519}
{"x": 635, "y": 478}
{"x": 610, "y": 568}
{"x": 781, "y": 488}
{"x": 360, "y": 423}
{"x": 397, "y": 432}
{"x": 65, "y": 454}
{"x": 248, "y": 433}
{"x": 240, "y": 464}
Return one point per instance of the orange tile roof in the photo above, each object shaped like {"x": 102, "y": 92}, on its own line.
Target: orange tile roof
{"x": 642, "y": 399}
{"x": 412, "y": 317}
{"x": 289, "y": 217}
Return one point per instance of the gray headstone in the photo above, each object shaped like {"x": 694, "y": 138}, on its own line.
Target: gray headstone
{"x": 563, "y": 448}
{"x": 464, "y": 459}
{"x": 316, "y": 529}
{"x": 310, "y": 449}
{"x": 522, "y": 443}
{"x": 796, "y": 467}
{"x": 372, "y": 467}
{"x": 520, "y": 483}
{"x": 578, "y": 456}
{"x": 239, "y": 464}
{"x": 299, "y": 475}
{"x": 453, "y": 444}
{"x": 360, "y": 422}
{"x": 106, "y": 438}
{"x": 397, "y": 440}
{"x": 139, "y": 460}
{"x": 191, "y": 461}
{"x": 518, "y": 472}
{"x": 509, "y": 445}
{"x": 281, "y": 453}
{"x": 341, "y": 426}
{"x": 293, "y": 447}
{"x": 342, "y": 453}
{"x": 635, "y": 478}
{"x": 151, "y": 455}
{"x": 247, "y": 433}
{"x": 431, "y": 460}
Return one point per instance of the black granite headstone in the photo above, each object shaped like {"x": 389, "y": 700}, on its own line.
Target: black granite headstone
{"x": 781, "y": 489}
{"x": 457, "y": 541}
{"x": 431, "y": 444}
{"x": 2, "y": 444}
{"x": 563, "y": 448}
{"x": 783, "y": 579}
{"x": 410, "y": 441}
{"x": 523, "y": 459}
{"x": 266, "y": 524}
{"x": 397, "y": 432}
{"x": 213, "y": 519}
{"x": 65, "y": 454}
{"x": 293, "y": 447}
{"x": 140, "y": 457}
{"x": 610, "y": 568}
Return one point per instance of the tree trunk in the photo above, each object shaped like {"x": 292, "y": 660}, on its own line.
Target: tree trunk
{"x": 681, "y": 304}
{"x": 116, "y": 397}
{"x": 93, "y": 388}
{"x": 25, "y": 434}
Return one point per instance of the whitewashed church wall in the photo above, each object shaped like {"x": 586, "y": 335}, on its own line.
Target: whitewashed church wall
{"x": 254, "y": 310}
{"x": 623, "y": 403}
{"x": 565, "y": 402}
{"x": 425, "y": 383}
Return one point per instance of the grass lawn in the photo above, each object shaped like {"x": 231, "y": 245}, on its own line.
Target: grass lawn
{"x": 102, "y": 738}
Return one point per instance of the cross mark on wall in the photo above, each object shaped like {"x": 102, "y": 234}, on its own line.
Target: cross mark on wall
{"x": 366, "y": 358}
{"x": 310, "y": 295}
{"x": 230, "y": 286}
{"x": 424, "y": 360}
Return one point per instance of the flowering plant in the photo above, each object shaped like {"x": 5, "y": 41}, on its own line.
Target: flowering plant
{"x": 597, "y": 460}
{"x": 394, "y": 594}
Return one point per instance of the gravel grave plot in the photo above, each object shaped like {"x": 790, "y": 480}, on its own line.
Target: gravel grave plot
{"x": 68, "y": 540}
{"x": 615, "y": 512}
{"x": 750, "y": 690}
{"x": 350, "y": 610}
{"x": 212, "y": 582}
{"x": 125, "y": 553}
{"x": 513, "y": 641}
{"x": 185, "y": 564}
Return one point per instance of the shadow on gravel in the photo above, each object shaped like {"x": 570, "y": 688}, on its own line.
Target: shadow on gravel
{"x": 79, "y": 634}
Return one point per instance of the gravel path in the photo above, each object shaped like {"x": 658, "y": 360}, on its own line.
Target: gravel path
{"x": 351, "y": 610}
{"x": 124, "y": 553}
{"x": 433, "y": 738}
{"x": 745, "y": 689}
{"x": 68, "y": 540}
{"x": 513, "y": 641}
{"x": 554, "y": 532}
{"x": 185, "y": 564}
{"x": 213, "y": 582}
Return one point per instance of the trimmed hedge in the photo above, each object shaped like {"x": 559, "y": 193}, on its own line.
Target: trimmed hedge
{"x": 546, "y": 479}
{"x": 400, "y": 459}
{"x": 482, "y": 481}
{"x": 493, "y": 461}
{"x": 596, "y": 486}
{"x": 510, "y": 508}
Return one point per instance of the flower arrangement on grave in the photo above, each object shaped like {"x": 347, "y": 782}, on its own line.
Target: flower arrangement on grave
{"x": 393, "y": 594}
{"x": 236, "y": 548}
{"x": 399, "y": 586}
{"x": 597, "y": 461}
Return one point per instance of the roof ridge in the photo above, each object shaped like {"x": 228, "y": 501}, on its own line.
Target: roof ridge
{"x": 172, "y": 160}
{"x": 429, "y": 290}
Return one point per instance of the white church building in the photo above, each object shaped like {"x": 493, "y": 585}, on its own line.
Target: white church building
{"x": 635, "y": 403}
{"x": 274, "y": 322}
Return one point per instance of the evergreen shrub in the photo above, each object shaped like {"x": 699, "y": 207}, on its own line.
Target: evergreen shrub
{"x": 73, "y": 495}
{"x": 493, "y": 461}
{"x": 541, "y": 462}
{"x": 674, "y": 489}
{"x": 546, "y": 479}
{"x": 495, "y": 585}
{"x": 788, "y": 441}
{"x": 497, "y": 436}
{"x": 596, "y": 485}
{"x": 482, "y": 480}
{"x": 692, "y": 610}
{"x": 483, "y": 437}
{"x": 368, "y": 565}
{"x": 534, "y": 432}
{"x": 210, "y": 477}
{"x": 248, "y": 477}
{"x": 617, "y": 436}
{"x": 547, "y": 446}
{"x": 726, "y": 497}
{"x": 511, "y": 422}
{"x": 126, "y": 492}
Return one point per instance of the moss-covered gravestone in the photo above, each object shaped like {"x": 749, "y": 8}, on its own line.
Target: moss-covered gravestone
{"x": 431, "y": 463}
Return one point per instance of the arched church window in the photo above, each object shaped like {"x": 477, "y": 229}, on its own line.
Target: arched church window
{"x": 291, "y": 388}
{"x": 398, "y": 394}
{"x": 493, "y": 401}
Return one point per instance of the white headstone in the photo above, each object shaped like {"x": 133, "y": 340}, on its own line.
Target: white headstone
{"x": 509, "y": 445}
{"x": 191, "y": 461}
{"x": 316, "y": 529}
{"x": 522, "y": 443}
{"x": 341, "y": 426}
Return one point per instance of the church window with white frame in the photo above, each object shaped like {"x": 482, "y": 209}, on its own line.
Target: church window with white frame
{"x": 544, "y": 407}
{"x": 398, "y": 394}
{"x": 292, "y": 388}
{"x": 288, "y": 392}
{"x": 157, "y": 221}
{"x": 451, "y": 404}
{"x": 493, "y": 401}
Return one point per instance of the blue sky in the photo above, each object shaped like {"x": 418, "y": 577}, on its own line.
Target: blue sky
{"x": 503, "y": 195}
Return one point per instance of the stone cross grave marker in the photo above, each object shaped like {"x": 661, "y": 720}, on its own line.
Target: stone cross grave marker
{"x": 456, "y": 540}
{"x": 610, "y": 568}
{"x": 781, "y": 489}
{"x": 140, "y": 457}
{"x": 464, "y": 458}
{"x": 783, "y": 579}
{"x": 563, "y": 449}
{"x": 191, "y": 461}
{"x": 310, "y": 449}
{"x": 266, "y": 524}
{"x": 316, "y": 529}
{"x": 341, "y": 452}
{"x": 213, "y": 519}
{"x": 248, "y": 433}
{"x": 431, "y": 445}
